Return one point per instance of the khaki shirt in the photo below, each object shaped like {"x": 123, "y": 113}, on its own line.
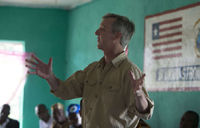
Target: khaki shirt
{"x": 108, "y": 98}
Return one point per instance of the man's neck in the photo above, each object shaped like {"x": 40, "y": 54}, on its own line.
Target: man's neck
{"x": 110, "y": 55}
{"x": 48, "y": 118}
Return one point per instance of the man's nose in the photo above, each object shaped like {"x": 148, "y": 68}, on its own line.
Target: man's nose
{"x": 97, "y": 32}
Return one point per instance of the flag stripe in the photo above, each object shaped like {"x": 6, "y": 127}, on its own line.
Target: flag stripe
{"x": 167, "y": 56}
{"x": 170, "y": 21}
{"x": 169, "y": 32}
{"x": 167, "y": 42}
{"x": 167, "y": 49}
{"x": 171, "y": 28}
{"x": 170, "y": 35}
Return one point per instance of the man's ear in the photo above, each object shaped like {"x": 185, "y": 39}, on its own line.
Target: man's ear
{"x": 118, "y": 35}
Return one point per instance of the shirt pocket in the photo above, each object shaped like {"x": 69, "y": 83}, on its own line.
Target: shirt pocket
{"x": 111, "y": 93}
{"x": 89, "y": 86}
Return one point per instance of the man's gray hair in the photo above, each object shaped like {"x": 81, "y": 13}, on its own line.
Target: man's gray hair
{"x": 124, "y": 25}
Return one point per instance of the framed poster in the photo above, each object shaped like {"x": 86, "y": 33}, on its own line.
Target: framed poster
{"x": 172, "y": 50}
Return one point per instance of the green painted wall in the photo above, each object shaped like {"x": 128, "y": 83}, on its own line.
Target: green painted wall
{"x": 82, "y": 42}
{"x": 44, "y": 33}
{"x": 68, "y": 37}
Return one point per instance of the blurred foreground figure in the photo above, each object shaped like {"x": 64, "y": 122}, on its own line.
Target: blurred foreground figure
{"x": 73, "y": 115}
{"x": 6, "y": 122}
{"x": 61, "y": 121}
{"x": 43, "y": 113}
{"x": 190, "y": 119}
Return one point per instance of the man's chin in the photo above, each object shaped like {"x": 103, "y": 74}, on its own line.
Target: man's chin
{"x": 98, "y": 47}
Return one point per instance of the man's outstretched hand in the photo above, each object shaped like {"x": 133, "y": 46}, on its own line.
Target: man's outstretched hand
{"x": 41, "y": 69}
{"x": 137, "y": 84}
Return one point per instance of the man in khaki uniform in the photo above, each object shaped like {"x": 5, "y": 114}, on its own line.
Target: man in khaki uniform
{"x": 112, "y": 89}
{"x": 60, "y": 120}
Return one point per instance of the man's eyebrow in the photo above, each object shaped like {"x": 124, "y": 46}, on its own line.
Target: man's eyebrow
{"x": 102, "y": 25}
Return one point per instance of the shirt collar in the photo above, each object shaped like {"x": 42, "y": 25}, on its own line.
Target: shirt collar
{"x": 119, "y": 59}
{"x": 101, "y": 62}
{"x": 116, "y": 61}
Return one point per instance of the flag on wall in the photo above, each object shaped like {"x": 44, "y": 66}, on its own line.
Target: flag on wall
{"x": 165, "y": 33}
{"x": 172, "y": 49}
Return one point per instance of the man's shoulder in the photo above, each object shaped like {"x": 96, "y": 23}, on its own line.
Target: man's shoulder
{"x": 13, "y": 123}
{"x": 129, "y": 64}
{"x": 13, "y": 120}
{"x": 93, "y": 64}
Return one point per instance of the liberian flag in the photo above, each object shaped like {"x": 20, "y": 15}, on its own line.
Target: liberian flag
{"x": 171, "y": 50}
{"x": 167, "y": 38}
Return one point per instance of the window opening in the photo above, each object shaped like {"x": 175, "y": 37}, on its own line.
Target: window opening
{"x": 12, "y": 74}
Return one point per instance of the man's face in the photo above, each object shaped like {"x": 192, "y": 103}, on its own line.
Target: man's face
{"x": 105, "y": 36}
{"x": 42, "y": 113}
{"x": 58, "y": 115}
{"x": 188, "y": 121}
{"x": 4, "y": 113}
{"x": 73, "y": 119}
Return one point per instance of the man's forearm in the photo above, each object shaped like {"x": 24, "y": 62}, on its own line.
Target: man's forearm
{"x": 53, "y": 82}
{"x": 142, "y": 104}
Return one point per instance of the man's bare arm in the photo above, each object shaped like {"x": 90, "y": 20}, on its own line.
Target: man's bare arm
{"x": 44, "y": 71}
{"x": 141, "y": 101}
